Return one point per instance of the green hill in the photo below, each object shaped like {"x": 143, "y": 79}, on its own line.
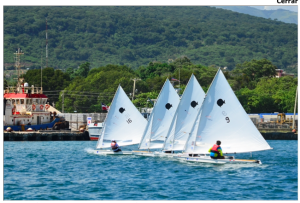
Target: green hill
{"x": 135, "y": 36}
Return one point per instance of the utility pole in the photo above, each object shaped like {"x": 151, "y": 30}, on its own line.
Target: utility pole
{"x": 179, "y": 80}
{"x": 42, "y": 72}
{"x": 46, "y": 45}
{"x": 62, "y": 101}
{"x": 134, "y": 80}
{"x": 295, "y": 108}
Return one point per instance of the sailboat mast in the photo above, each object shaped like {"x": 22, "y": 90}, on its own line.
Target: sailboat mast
{"x": 212, "y": 81}
{"x": 202, "y": 106}
{"x": 150, "y": 120}
{"x": 201, "y": 110}
{"x": 177, "y": 111}
{"x": 17, "y": 63}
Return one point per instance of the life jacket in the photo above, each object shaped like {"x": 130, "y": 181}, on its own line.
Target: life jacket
{"x": 214, "y": 149}
{"x": 113, "y": 145}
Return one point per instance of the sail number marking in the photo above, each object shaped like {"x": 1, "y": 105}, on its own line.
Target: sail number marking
{"x": 129, "y": 121}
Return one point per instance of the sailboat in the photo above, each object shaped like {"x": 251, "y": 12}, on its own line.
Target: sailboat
{"x": 222, "y": 117}
{"x": 123, "y": 123}
{"x": 185, "y": 116}
{"x": 159, "y": 121}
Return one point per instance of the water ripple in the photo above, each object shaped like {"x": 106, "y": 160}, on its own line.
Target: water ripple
{"x": 71, "y": 171}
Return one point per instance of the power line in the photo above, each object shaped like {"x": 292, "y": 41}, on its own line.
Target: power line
{"x": 82, "y": 95}
{"x": 91, "y": 95}
{"x": 81, "y": 92}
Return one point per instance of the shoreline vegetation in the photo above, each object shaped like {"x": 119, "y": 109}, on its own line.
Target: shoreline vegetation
{"x": 85, "y": 89}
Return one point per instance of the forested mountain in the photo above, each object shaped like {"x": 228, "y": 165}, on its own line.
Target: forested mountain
{"x": 135, "y": 36}
{"x": 280, "y": 14}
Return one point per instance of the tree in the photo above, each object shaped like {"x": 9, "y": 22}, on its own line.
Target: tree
{"x": 182, "y": 61}
{"x": 256, "y": 69}
{"x": 83, "y": 70}
{"x": 270, "y": 95}
{"x": 52, "y": 80}
{"x": 142, "y": 99}
{"x": 86, "y": 94}
{"x": 156, "y": 83}
{"x": 70, "y": 71}
{"x": 5, "y": 83}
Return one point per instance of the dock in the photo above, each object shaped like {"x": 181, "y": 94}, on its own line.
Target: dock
{"x": 67, "y": 135}
{"x": 280, "y": 135}
{"x": 57, "y": 135}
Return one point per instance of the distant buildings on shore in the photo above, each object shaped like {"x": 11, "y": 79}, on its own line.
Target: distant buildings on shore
{"x": 281, "y": 73}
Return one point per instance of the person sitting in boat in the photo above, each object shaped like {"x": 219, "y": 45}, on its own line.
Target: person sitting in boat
{"x": 216, "y": 151}
{"x": 114, "y": 146}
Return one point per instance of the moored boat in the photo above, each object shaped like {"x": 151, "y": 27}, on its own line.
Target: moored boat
{"x": 94, "y": 130}
{"x": 26, "y": 107}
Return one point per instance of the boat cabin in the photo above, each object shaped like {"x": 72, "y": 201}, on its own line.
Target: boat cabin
{"x": 25, "y": 106}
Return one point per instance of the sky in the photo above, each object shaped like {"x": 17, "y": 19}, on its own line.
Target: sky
{"x": 290, "y": 8}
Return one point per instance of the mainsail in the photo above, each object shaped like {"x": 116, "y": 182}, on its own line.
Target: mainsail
{"x": 185, "y": 115}
{"x": 223, "y": 118}
{"x": 124, "y": 123}
{"x": 160, "y": 118}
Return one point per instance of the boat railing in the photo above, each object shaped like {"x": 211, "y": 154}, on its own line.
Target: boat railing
{"x": 26, "y": 90}
{"x": 28, "y": 107}
{"x": 145, "y": 110}
{"x": 268, "y": 125}
{"x": 38, "y": 107}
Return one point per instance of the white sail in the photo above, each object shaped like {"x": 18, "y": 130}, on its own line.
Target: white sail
{"x": 124, "y": 123}
{"x": 147, "y": 133}
{"x": 223, "y": 118}
{"x": 160, "y": 118}
{"x": 185, "y": 115}
{"x": 190, "y": 143}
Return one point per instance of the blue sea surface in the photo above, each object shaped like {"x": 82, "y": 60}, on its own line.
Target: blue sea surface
{"x": 67, "y": 170}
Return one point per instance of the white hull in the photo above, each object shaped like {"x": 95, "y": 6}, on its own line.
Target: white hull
{"x": 110, "y": 152}
{"x": 155, "y": 154}
{"x": 207, "y": 159}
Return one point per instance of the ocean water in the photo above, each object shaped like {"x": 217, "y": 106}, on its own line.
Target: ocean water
{"x": 67, "y": 170}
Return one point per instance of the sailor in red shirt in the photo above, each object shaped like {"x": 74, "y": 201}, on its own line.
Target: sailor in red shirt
{"x": 216, "y": 151}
